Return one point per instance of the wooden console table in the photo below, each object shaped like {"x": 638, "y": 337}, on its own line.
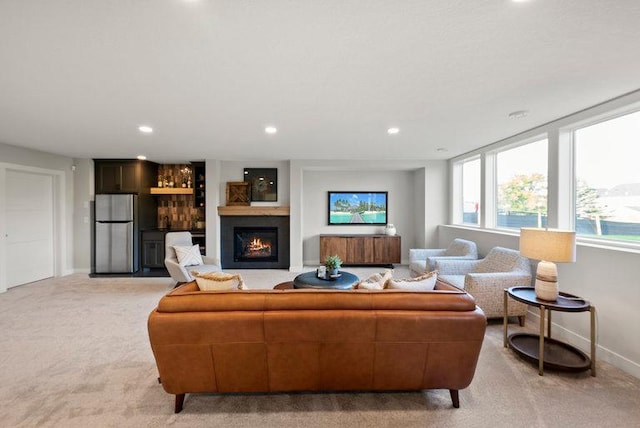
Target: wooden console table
{"x": 361, "y": 249}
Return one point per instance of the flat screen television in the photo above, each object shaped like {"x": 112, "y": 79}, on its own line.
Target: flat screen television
{"x": 357, "y": 208}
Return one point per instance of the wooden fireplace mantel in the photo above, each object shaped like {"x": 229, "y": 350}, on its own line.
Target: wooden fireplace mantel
{"x": 240, "y": 210}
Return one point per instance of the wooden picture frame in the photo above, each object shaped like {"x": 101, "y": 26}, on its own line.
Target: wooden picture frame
{"x": 237, "y": 193}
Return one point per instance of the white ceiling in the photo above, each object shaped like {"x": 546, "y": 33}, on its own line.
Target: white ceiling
{"x": 77, "y": 77}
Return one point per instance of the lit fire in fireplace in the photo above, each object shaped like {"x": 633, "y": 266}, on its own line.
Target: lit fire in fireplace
{"x": 256, "y": 247}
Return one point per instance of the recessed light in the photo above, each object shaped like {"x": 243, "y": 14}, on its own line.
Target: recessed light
{"x": 441, "y": 149}
{"x": 393, "y": 131}
{"x": 270, "y": 129}
{"x": 518, "y": 114}
{"x": 145, "y": 129}
{"x": 141, "y": 157}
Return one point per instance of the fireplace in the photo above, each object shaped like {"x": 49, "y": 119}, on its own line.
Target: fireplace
{"x": 255, "y": 244}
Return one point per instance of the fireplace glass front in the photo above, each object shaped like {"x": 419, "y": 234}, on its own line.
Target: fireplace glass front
{"x": 255, "y": 244}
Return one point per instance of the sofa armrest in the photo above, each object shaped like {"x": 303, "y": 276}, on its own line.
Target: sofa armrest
{"x": 450, "y": 266}
{"x": 488, "y": 290}
{"x": 177, "y": 272}
{"x": 419, "y": 254}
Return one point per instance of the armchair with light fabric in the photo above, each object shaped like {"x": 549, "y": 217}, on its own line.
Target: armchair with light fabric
{"x": 181, "y": 271}
{"x": 486, "y": 279}
{"x": 422, "y": 260}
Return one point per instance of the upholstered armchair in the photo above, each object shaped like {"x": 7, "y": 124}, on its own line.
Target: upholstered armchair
{"x": 180, "y": 270}
{"x": 486, "y": 279}
{"x": 422, "y": 260}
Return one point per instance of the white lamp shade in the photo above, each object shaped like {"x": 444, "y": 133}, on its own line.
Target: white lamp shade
{"x": 552, "y": 245}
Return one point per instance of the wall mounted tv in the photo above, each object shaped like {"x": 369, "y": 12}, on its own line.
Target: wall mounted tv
{"x": 357, "y": 208}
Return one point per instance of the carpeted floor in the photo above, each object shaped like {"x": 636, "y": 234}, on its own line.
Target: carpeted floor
{"x": 74, "y": 352}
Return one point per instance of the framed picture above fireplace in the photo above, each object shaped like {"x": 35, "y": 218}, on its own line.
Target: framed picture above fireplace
{"x": 263, "y": 183}
{"x": 357, "y": 208}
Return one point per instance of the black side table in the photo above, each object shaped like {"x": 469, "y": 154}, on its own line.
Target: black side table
{"x": 548, "y": 352}
{"x": 345, "y": 281}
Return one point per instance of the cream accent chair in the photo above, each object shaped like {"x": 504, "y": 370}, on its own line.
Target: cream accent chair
{"x": 182, "y": 274}
{"x": 486, "y": 279}
{"x": 422, "y": 260}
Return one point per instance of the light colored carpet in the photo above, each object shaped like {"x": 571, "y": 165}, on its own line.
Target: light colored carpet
{"x": 74, "y": 352}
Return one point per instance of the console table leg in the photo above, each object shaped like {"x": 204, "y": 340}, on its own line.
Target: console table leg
{"x": 592, "y": 310}
{"x": 541, "y": 343}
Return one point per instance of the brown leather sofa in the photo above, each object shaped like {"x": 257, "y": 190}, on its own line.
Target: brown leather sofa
{"x": 315, "y": 340}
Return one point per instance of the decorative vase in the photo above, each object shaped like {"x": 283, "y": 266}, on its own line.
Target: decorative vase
{"x": 546, "y": 286}
{"x": 390, "y": 229}
{"x": 322, "y": 272}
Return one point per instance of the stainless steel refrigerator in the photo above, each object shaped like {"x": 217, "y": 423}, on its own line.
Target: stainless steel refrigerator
{"x": 115, "y": 233}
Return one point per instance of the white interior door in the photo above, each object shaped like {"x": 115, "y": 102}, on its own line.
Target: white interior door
{"x": 29, "y": 227}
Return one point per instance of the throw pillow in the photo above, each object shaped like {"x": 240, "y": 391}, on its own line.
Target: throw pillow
{"x": 188, "y": 256}
{"x": 376, "y": 281}
{"x": 425, "y": 282}
{"x": 218, "y": 281}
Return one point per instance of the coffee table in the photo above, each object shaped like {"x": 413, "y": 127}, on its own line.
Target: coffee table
{"x": 346, "y": 281}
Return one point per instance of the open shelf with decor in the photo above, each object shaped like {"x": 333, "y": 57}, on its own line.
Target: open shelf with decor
{"x": 171, "y": 191}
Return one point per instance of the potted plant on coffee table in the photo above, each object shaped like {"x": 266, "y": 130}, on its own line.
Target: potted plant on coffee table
{"x": 333, "y": 263}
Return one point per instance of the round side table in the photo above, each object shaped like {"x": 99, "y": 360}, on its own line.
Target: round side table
{"x": 346, "y": 281}
{"x": 546, "y": 351}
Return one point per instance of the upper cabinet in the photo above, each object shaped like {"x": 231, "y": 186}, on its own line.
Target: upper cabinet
{"x": 124, "y": 175}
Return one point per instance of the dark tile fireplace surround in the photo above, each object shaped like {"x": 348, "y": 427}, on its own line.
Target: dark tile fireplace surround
{"x": 254, "y": 242}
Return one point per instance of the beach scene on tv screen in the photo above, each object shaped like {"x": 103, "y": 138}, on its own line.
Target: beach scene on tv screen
{"x": 357, "y": 208}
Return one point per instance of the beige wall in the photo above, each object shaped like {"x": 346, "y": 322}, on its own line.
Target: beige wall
{"x": 404, "y": 180}
{"x": 401, "y": 207}
{"x": 84, "y": 196}
{"x": 20, "y": 158}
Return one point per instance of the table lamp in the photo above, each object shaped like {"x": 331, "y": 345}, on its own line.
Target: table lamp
{"x": 550, "y": 246}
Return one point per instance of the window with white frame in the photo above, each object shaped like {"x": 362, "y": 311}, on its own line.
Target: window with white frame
{"x": 521, "y": 179}
{"x": 471, "y": 192}
{"x": 607, "y": 183}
